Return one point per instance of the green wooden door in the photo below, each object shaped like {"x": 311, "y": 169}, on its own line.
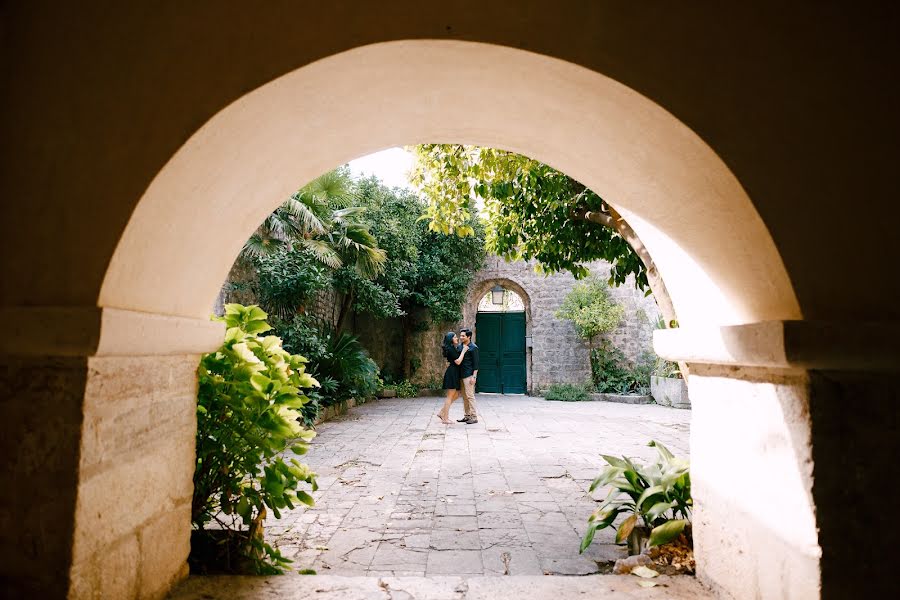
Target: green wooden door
{"x": 501, "y": 342}
{"x": 487, "y": 336}
{"x": 512, "y": 353}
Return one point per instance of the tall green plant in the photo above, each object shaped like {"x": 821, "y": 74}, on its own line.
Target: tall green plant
{"x": 348, "y": 363}
{"x": 248, "y": 405}
{"x": 591, "y": 309}
{"x": 658, "y": 494}
{"x": 288, "y": 280}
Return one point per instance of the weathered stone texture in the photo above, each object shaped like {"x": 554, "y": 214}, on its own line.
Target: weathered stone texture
{"x": 772, "y": 524}
{"x": 557, "y": 354}
{"x": 136, "y": 470}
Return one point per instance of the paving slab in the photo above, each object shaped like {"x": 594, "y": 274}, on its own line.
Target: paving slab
{"x": 401, "y": 493}
{"x": 384, "y": 587}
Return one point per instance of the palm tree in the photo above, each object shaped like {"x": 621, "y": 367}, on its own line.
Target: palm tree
{"x": 319, "y": 218}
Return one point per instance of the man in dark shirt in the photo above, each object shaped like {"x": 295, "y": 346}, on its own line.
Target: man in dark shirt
{"x": 468, "y": 373}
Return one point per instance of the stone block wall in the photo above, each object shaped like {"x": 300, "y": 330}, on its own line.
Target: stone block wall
{"x": 136, "y": 465}
{"x": 557, "y": 354}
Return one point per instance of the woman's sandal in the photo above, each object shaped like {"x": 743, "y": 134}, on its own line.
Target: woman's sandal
{"x": 443, "y": 420}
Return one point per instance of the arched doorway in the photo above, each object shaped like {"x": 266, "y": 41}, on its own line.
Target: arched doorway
{"x": 500, "y": 334}
{"x": 719, "y": 261}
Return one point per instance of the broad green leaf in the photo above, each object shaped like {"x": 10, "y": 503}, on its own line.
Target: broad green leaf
{"x": 649, "y": 493}
{"x": 588, "y": 537}
{"x": 662, "y": 450}
{"x": 666, "y": 532}
{"x": 255, "y": 313}
{"x": 616, "y": 462}
{"x": 658, "y": 509}
{"x": 305, "y": 498}
{"x": 260, "y": 382}
{"x": 255, "y": 327}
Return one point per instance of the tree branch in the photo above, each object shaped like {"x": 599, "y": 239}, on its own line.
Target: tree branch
{"x": 612, "y": 219}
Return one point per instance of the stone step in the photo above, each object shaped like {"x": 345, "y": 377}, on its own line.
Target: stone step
{"x": 333, "y": 587}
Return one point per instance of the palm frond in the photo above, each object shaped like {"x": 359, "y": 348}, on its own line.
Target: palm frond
{"x": 348, "y": 216}
{"x": 322, "y": 251}
{"x": 334, "y": 188}
{"x": 260, "y": 244}
{"x": 303, "y": 213}
{"x": 360, "y": 236}
{"x": 370, "y": 262}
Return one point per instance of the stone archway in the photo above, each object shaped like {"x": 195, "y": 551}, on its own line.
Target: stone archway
{"x": 479, "y": 288}
{"x": 713, "y": 249}
{"x": 718, "y": 260}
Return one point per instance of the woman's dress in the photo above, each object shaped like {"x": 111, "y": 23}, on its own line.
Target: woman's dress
{"x": 451, "y": 375}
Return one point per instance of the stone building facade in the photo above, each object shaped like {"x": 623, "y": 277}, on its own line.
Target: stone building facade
{"x": 555, "y": 353}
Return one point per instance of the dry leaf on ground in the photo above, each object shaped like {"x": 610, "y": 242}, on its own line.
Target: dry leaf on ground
{"x": 643, "y": 571}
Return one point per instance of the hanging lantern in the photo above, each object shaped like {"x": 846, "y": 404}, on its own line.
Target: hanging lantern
{"x": 497, "y": 295}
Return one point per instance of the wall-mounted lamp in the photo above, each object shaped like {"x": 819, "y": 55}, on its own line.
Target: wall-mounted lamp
{"x": 497, "y": 295}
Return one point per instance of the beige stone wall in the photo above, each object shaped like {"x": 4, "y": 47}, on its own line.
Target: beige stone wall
{"x": 132, "y": 515}
{"x": 100, "y": 475}
{"x": 754, "y": 522}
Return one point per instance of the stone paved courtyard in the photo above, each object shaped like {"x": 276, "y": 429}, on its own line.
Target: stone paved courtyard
{"x": 403, "y": 495}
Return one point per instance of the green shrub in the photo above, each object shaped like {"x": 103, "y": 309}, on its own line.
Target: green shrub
{"x": 348, "y": 364}
{"x": 338, "y": 361}
{"x": 567, "y": 392}
{"x": 612, "y": 374}
{"x": 591, "y": 309}
{"x": 658, "y": 494}
{"x": 407, "y": 389}
{"x": 248, "y": 405}
{"x": 609, "y": 372}
{"x": 305, "y": 335}
{"x": 288, "y": 280}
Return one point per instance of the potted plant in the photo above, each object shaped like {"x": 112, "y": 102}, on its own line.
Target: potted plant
{"x": 656, "y": 498}
{"x": 668, "y": 387}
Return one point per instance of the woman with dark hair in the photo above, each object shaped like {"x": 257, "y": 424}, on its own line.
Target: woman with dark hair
{"x": 454, "y": 353}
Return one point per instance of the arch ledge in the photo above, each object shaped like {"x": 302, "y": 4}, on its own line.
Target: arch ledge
{"x": 95, "y": 331}
{"x": 871, "y": 346}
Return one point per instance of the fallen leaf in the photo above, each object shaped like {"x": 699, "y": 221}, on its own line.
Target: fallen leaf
{"x": 645, "y": 583}
{"x": 643, "y": 571}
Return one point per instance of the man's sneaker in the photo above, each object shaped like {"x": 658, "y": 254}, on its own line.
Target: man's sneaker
{"x": 471, "y": 420}
{"x": 463, "y": 420}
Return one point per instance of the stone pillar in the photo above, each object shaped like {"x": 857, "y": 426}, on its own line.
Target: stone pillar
{"x": 99, "y": 450}
{"x": 793, "y": 435}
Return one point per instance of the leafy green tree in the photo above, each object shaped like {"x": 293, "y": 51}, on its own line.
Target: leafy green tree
{"x": 288, "y": 279}
{"x": 424, "y": 269}
{"x": 320, "y": 219}
{"x": 317, "y": 224}
{"x": 532, "y": 211}
{"x": 591, "y": 310}
{"x": 391, "y": 218}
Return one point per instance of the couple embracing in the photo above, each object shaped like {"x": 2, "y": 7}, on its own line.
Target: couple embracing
{"x": 462, "y": 372}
